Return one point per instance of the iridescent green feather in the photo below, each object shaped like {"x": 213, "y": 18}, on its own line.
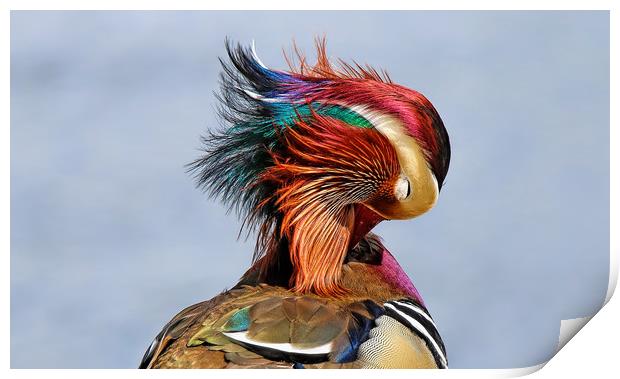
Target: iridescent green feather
{"x": 256, "y": 103}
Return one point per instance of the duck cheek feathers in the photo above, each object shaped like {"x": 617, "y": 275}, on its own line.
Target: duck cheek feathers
{"x": 416, "y": 173}
{"x": 422, "y": 197}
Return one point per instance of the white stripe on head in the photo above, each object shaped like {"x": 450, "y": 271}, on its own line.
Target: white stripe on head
{"x": 259, "y": 97}
{"x": 255, "y": 56}
{"x": 371, "y": 116}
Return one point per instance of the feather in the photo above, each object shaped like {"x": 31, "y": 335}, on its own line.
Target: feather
{"x": 420, "y": 323}
{"x": 171, "y": 331}
{"x": 391, "y": 344}
{"x": 240, "y": 320}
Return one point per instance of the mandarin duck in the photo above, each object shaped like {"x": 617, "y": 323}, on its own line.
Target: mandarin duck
{"x": 312, "y": 159}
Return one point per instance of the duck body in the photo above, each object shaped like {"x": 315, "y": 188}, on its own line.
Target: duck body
{"x": 380, "y": 323}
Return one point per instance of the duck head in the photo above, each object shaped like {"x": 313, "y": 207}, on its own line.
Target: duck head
{"x": 314, "y": 157}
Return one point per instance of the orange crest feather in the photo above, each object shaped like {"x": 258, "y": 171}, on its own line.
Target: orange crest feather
{"x": 327, "y": 167}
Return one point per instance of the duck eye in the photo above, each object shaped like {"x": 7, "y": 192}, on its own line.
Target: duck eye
{"x": 408, "y": 189}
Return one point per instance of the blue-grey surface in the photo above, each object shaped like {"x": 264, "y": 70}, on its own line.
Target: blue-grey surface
{"x": 110, "y": 239}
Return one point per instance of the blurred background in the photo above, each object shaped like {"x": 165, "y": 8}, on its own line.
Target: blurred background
{"x": 109, "y": 237}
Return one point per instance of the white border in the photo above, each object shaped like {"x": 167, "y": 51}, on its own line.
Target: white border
{"x": 593, "y": 354}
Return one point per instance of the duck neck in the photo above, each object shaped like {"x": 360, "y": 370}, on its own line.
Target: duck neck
{"x": 276, "y": 268}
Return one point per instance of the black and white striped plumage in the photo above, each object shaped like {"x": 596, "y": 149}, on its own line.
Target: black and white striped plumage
{"x": 417, "y": 319}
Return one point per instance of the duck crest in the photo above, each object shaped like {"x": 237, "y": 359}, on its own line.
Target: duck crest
{"x": 302, "y": 151}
